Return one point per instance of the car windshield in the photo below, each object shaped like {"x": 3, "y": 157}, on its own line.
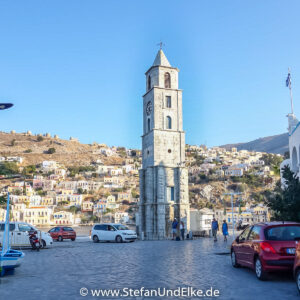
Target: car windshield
{"x": 121, "y": 227}
{"x": 282, "y": 233}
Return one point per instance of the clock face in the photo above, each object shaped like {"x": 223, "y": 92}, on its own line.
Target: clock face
{"x": 149, "y": 108}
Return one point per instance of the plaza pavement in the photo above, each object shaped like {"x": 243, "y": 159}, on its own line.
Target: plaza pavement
{"x": 59, "y": 272}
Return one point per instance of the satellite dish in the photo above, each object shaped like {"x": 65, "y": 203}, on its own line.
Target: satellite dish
{"x": 5, "y": 105}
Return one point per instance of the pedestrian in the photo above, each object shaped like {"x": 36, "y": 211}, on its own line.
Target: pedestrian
{"x": 174, "y": 228}
{"x": 182, "y": 230}
{"x": 225, "y": 230}
{"x": 214, "y": 228}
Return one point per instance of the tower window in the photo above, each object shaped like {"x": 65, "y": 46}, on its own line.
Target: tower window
{"x": 170, "y": 193}
{"x": 148, "y": 121}
{"x": 149, "y": 82}
{"x": 167, "y": 80}
{"x": 168, "y": 102}
{"x": 169, "y": 122}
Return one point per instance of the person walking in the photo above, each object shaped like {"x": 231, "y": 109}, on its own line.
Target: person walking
{"x": 182, "y": 230}
{"x": 225, "y": 230}
{"x": 174, "y": 228}
{"x": 214, "y": 228}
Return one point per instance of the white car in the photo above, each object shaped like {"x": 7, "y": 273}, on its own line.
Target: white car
{"x": 19, "y": 237}
{"x": 112, "y": 232}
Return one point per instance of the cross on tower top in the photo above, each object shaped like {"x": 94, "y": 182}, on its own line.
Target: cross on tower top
{"x": 160, "y": 44}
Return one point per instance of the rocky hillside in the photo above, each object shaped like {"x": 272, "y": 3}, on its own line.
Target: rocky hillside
{"x": 34, "y": 149}
{"x": 277, "y": 144}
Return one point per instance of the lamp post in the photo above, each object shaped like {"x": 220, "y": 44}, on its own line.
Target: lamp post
{"x": 232, "y": 194}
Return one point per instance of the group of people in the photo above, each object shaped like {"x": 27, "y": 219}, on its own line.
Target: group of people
{"x": 215, "y": 228}
{"x": 175, "y": 226}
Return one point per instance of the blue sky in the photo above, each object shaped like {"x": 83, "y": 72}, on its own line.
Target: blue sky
{"x": 76, "y": 68}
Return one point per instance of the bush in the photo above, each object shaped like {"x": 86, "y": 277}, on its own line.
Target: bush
{"x": 40, "y": 138}
{"x": 28, "y": 151}
{"x": 29, "y": 170}
{"x": 51, "y": 150}
{"x": 9, "y": 168}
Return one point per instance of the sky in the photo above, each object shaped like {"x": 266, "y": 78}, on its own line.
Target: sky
{"x": 76, "y": 68}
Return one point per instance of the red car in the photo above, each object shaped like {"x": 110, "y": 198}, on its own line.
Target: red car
{"x": 266, "y": 247}
{"x": 297, "y": 264}
{"x": 61, "y": 233}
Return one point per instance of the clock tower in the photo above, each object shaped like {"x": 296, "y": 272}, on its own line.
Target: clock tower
{"x": 163, "y": 177}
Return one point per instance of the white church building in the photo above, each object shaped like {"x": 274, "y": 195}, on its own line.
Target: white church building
{"x": 294, "y": 146}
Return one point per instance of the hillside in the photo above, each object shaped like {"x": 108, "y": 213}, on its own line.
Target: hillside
{"x": 69, "y": 153}
{"x": 272, "y": 144}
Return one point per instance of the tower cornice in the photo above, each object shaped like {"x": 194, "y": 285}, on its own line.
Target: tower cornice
{"x": 162, "y": 88}
{"x": 167, "y": 67}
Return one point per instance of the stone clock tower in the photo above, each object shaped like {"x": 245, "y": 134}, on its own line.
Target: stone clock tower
{"x": 163, "y": 177}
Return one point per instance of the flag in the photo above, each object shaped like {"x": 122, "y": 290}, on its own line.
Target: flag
{"x": 288, "y": 80}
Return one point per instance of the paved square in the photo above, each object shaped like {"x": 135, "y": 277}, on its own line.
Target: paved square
{"x": 60, "y": 272}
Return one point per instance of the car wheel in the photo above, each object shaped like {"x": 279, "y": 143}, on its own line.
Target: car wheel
{"x": 119, "y": 239}
{"x": 72, "y": 240}
{"x": 60, "y": 238}
{"x": 43, "y": 244}
{"x": 233, "y": 260}
{"x": 259, "y": 271}
{"x": 95, "y": 239}
{"x": 298, "y": 280}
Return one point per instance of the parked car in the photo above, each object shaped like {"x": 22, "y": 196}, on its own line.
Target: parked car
{"x": 266, "y": 247}
{"x": 61, "y": 233}
{"x": 297, "y": 264}
{"x": 19, "y": 235}
{"x": 112, "y": 232}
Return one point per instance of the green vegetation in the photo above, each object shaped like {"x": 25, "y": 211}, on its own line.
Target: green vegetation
{"x": 51, "y": 150}
{"x": 74, "y": 209}
{"x": 285, "y": 202}
{"x": 9, "y": 168}
{"x": 251, "y": 180}
{"x": 28, "y": 151}
{"x": 134, "y": 194}
{"x": 29, "y": 170}
{"x": 76, "y": 170}
{"x": 13, "y": 142}
{"x": 40, "y": 138}
{"x": 273, "y": 161}
{"x": 3, "y": 200}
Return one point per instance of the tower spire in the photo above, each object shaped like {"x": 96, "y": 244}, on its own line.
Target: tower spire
{"x": 161, "y": 59}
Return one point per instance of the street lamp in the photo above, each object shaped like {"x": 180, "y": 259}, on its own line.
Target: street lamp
{"x": 232, "y": 195}
{"x": 5, "y": 106}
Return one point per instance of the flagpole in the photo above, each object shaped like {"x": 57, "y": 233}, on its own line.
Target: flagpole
{"x": 291, "y": 94}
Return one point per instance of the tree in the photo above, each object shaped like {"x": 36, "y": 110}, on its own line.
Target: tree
{"x": 51, "y": 150}
{"x": 9, "y": 168}
{"x": 40, "y": 138}
{"x": 73, "y": 209}
{"x": 29, "y": 170}
{"x": 272, "y": 159}
{"x": 285, "y": 202}
{"x": 3, "y": 200}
